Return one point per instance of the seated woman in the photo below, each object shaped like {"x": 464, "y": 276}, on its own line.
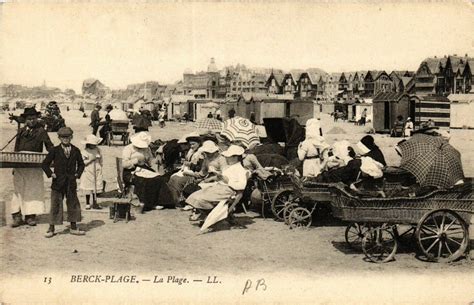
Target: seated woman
{"x": 189, "y": 169}
{"x": 347, "y": 174}
{"x": 368, "y": 148}
{"x": 150, "y": 188}
{"x": 232, "y": 180}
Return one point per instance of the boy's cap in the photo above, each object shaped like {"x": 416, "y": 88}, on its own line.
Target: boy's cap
{"x": 65, "y": 132}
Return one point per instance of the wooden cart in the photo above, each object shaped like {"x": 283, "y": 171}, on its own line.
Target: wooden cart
{"x": 439, "y": 219}
{"x": 118, "y": 128}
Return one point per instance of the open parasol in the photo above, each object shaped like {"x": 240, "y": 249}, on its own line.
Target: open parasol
{"x": 220, "y": 212}
{"x": 209, "y": 124}
{"x": 118, "y": 115}
{"x": 432, "y": 160}
{"x": 241, "y": 129}
{"x": 210, "y": 105}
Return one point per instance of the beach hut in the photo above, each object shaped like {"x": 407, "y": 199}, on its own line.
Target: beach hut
{"x": 178, "y": 105}
{"x": 243, "y": 105}
{"x": 303, "y": 110}
{"x": 431, "y": 107}
{"x": 326, "y": 107}
{"x": 462, "y": 110}
{"x": 387, "y": 106}
{"x": 359, "y": 108}
{"x": 229, "y": 104}
{"x": 203, "y": 107}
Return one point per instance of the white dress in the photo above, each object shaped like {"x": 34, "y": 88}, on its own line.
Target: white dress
{"x": 87, "y": 178}
{"x": 408, "y": 129}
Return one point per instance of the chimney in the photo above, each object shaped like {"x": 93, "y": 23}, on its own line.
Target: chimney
{"x": 435, "y": 56}
{"x": 466, "y": 55}
{"x": 455, "y": 54}
{"x": 444, "y": 56}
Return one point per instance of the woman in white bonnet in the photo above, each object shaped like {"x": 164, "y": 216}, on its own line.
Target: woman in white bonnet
{"x": 311, "y": 149}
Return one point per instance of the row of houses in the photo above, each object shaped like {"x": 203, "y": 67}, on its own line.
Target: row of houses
{"x": 450, "y": 74}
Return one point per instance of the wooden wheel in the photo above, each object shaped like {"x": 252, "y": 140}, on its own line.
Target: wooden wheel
{"x": 355, "y": 233}
{"x": 287, "y": 210}
{"x": 280, "y": 201}
{"x": 442, "y": 235}
{"x": 300, "y": 218}
{"x": 379, "y": 244}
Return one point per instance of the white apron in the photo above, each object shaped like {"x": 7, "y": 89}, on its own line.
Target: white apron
{"x": 28, "y": 196}
{"x": 87, "y": 177}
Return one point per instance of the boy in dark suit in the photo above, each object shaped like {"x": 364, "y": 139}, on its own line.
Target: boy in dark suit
{"x": 68, "y": 166}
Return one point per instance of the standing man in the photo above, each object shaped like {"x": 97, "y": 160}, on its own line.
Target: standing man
{"x": 363, "y": 117}
{"x": 28, "y": 196}
{"x": 95, "y": 119}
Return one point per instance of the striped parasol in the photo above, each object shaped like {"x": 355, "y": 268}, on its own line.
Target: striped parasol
{"x": 209, "y": 124}
{"x": 241, "y": 129}
{"x": 432, "y": 160}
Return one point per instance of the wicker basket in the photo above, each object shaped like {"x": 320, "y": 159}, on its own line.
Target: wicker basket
{"x": 406, "y": 210}
{"x": 118, "y": 126}
{"x": 21, "y": 159}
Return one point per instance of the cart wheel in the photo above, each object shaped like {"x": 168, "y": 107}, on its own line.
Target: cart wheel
{"x": 110, "y": 138}
{"x": 355, "y": 233}
{"x": 300, "y": 218}
{"x": 379, "y": 245}
{"x": 287, "y": 210}
{"x": 442, "y": 235}
{"x": 280, "y": 201}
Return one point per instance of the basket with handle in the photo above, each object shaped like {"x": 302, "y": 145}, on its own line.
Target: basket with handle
{"x": 21, "y": 159}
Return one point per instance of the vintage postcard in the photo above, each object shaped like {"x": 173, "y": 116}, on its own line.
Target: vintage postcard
{"x": 236, "y": 152}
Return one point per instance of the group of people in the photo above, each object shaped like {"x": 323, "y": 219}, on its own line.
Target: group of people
{"x": 341, "y": 162}
{"x": 212, "y": 169}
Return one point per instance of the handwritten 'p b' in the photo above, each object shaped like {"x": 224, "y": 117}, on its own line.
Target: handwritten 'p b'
{"x": 259, "y": 285}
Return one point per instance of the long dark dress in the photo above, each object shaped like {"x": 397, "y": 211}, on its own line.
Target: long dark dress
{"x": 150, "y": 191}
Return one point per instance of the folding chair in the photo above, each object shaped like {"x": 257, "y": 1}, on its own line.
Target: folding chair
{"x": 122, "y": 200}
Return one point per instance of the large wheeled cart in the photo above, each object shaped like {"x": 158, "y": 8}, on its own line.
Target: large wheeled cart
{"x": 118, "y": 128}
{"x": 440, "y": 220}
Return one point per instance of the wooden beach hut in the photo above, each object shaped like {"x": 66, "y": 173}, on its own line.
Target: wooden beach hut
{"x": 434, "y": 107}
{"x": 303, "y": 110}
{"x": 387, "y": 106}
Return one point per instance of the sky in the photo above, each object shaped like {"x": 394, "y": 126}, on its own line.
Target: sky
{"x": 130, "y": 42}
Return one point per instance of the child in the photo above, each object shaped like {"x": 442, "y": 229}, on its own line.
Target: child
{"x": 91, "y": 179}
{"x": 68, "y": 166}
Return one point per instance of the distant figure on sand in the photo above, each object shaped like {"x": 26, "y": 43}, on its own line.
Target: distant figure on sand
{"x": 363, "y": 117}
{"x": 95, "y": 119}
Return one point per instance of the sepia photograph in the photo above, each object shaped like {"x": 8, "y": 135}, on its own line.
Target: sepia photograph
{"x": 236, "y": 152}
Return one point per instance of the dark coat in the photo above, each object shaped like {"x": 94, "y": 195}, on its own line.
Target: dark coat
{"x": 67, "y": 170}
{"x": 95, "y": 118}
{"x": 376, "y": 154}
{"x": 347, "y": 174}
{"x": 33, "y": 140}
